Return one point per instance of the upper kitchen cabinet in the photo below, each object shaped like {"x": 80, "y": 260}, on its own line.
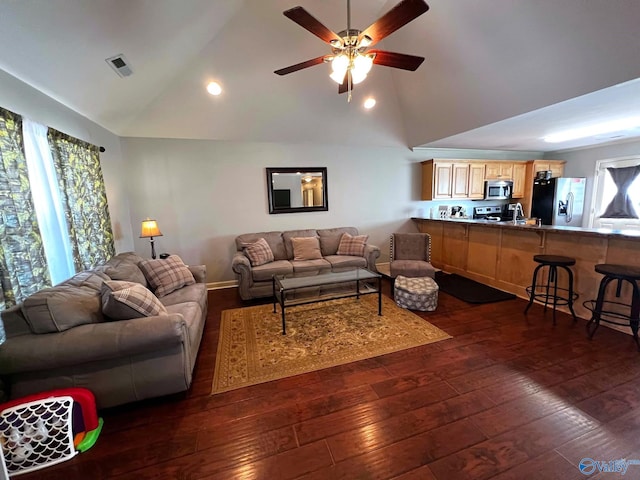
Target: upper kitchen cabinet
{"x": 556, "y": 167}
{"x": 476, "y": 181}
{"x": 444, "y": 179}
{"x": 436, "y": 180}
{"x": 498, "y": 171}
{"x": 519, "y": 180}
{"x": 464, "y": 178}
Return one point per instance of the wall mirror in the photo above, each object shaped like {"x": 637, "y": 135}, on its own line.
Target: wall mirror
{"x": 293, "y": 190}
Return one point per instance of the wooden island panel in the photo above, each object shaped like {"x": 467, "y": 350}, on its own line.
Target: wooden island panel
{"x": 501, "y": 255}
{"x": 454, "y": 247}
{"x": 435, "y": 230}
{"x": 623, "y": 252}
{"x": 588, "y": 251}
{"x": 515, "y": 263}
{"x": 483, "y": 252}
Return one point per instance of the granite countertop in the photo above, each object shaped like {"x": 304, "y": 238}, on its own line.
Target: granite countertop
{"x": 633, "y": 234}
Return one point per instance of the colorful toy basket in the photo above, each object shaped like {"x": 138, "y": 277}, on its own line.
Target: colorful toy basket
{"x": 47, "y": 428}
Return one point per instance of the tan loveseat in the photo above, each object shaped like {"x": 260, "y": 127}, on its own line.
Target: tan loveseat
{"x": 256, "y": 281}
{"x": 60, "y": 337}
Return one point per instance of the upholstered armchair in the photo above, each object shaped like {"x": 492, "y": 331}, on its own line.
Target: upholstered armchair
{"x": 410, "y": 255}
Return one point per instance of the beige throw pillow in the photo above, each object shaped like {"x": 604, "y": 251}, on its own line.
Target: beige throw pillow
{"x": 352, "y": 245}
{"x": 124, "y": 300}
{"x": 258, "y": 252}
{"x": 166, "y": 275}
{"x": 306, "y": 248}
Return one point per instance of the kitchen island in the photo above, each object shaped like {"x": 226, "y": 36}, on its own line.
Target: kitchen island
{"x": 500, "y": 254}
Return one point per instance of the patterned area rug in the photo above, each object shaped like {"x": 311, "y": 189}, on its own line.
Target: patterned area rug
{"x": 252, "y": 349}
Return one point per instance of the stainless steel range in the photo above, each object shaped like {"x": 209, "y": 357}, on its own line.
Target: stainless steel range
{"x": 487, "y": 213}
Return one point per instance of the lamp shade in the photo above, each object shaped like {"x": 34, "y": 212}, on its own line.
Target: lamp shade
{"x": 150, "y": 229}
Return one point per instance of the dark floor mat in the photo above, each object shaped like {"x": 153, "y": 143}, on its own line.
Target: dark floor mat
{"x": 469, "y": 290}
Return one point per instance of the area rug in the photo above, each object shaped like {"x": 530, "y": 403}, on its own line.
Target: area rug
{"x": 469, "y": 290}
{"x": 252, "y": 349}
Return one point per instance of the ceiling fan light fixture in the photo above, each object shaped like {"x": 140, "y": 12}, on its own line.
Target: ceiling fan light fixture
{"x": 365, "y": 41}
{"x": 357, "y": 76}
{"x": 339, "y": 65}
{"x": 360, "y": 67}
{"x": 338, "y": 77}
{"x": 363, "y": 63}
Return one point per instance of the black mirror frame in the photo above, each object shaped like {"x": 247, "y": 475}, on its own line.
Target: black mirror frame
{"x": 325, "y": 196}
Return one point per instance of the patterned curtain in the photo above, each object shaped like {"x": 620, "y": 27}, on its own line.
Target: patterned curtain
{"x": 84, "y": 199}
{"x": 23, "y": 266}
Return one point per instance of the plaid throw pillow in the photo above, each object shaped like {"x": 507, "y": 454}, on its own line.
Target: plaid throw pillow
{"x": 124, "y": 300}
{"x": 258, "y": 252}
{"x": 166, "y": 275}
{"x": 352, "y": 245}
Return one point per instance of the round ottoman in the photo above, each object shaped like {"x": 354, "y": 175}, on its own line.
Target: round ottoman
{"x": 419, "y": 293}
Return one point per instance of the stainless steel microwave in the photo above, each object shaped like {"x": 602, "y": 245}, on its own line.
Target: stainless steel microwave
{"x": 498, "y": 189}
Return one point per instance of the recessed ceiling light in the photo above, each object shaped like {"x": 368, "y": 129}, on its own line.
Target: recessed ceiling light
{"x": 369, "y": 103}
{"x": 593, "y": 130}
{"x": 214, "y": 88}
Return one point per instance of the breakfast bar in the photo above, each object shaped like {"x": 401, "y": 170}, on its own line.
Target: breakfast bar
{"x": 500, "y": 254}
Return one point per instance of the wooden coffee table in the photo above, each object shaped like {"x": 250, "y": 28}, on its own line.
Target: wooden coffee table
{"x": 284, "y": 288}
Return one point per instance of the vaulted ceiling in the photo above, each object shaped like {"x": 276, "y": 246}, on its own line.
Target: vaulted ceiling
{"x": 498, "y": 74}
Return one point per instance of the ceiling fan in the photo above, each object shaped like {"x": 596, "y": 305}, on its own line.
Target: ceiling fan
{"x": 351, "y": 55}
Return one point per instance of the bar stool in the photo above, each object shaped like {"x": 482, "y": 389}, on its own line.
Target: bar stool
{"x": 542, "y": 292}
{"x": 611, "y": 311}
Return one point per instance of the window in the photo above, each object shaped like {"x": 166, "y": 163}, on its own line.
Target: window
{"x": 605, "y": 190}
{"x": 54, "y": 219}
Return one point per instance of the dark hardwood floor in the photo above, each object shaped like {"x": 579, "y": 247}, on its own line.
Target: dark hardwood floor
{"x": 509, "y": 397}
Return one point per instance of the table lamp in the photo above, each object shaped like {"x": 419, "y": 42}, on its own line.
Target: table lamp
{"x": 149, "y": 230}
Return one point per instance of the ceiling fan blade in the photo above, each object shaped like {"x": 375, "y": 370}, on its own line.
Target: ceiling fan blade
{"x": 300, "y": 66}
{"x": 398, "y": 16}
{"x": 310, "y": 23}
{"x": 397, "y": 60}
{"x": 344, "y": 86}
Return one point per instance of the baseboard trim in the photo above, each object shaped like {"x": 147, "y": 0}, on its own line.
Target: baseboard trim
{"x": 221, "y": 285}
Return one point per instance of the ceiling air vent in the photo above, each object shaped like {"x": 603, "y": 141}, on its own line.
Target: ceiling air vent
{"x": 120, "y": 64}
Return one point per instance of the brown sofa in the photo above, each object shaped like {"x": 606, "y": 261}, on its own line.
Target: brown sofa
{"x": 60, "y": 337}
{"x": 256, "y": 281}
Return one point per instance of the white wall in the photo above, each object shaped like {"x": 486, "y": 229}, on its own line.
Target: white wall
{"x": 204, "y": 192}
{"x": 28, "y": 102}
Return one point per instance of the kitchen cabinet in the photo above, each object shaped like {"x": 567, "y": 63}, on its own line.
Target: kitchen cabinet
{"x": 452, "y": 179}
{"x": 460, "y": 183}
{"x": 436, "y": 180}
{"x": 556, "y": 167}
{"x": 476, "y": 180}
{"x": 501, "y": 254}
{"x": 498, "y": 171}
{"x": 464, "y": 178}
{"x": 519, "y": 180}
{"x": 442, "y": 179}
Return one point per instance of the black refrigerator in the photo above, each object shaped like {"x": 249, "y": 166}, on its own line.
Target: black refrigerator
{"x": 559, "y": 201}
